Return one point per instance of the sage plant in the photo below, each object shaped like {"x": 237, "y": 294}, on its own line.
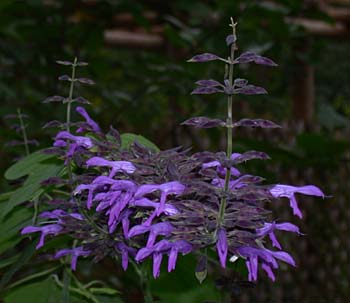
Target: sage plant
{"x": 134, "y": 203}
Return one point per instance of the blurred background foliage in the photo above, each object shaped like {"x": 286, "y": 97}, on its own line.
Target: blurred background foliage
{"x": 137, "y": 52}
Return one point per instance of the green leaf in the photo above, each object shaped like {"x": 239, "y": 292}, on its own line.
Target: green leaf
{"x": 31, "y": 187}
{"x": 11, "y": 226}
{"x": 181, "y": 285}
{"x": 25, "y": 166}
{"x": 128, "y": 139}
{"x": 24, "y": 257}
{"x": 44, "y": 291}
{"x": 104, "y": 291}
{"x": 201, "y": 269}
{"x": 33, "y": 276}
{"x": 8, "y": 261}
{"x": 5, "y": 196}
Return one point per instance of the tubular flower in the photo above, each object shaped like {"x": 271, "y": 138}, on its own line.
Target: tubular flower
{"x": 289, "y": 192}
{"x": 75, "y": 253}
{"x": 52, "y": 229}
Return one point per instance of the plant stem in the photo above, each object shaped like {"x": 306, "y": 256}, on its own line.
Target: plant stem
{"x": 68, "y": 119}
{"x": 70, "y": 96}
{"x": 23, "y": 130}
{"x": 229, "y": 129}
{"x": 66, "y": 275}
{"x": 144, "y": 282}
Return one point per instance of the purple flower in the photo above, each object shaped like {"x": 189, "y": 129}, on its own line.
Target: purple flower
{"x": 222, "y": 246}
{"x": 267, "y": 257}
{"x": 269, "y": 228}
{"x": 52, "y": 229}
{"x": 79, "y": 140}
{"x": 75, "y": 253}
{"x": 58, "y": 213}
{"x": 125, "y": 250}
{"x": 117, "y": 166}
{"x": 169, "y": 210}
{"x": 163, "y": 228}
{"x": 157, "y": 250}
{"x": 91, "y": 123}
{"x": 164, "y": 247}
{"x": 222, "y": 170}
{"x": 289, "y": 191}
{"x": 76, "y": 142}
{"x": 179, "y": 246}
{"x": 169, "y": 188}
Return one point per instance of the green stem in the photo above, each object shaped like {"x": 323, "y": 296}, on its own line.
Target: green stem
{"x": 67, "y": 270}
{"x": 70, "y": 96}
{"x": 66, "y": 285}
{"x": 229, "y": 130}
{"x": 23, "y": 130}
{"x": 68, "y": 118}
{"x": 144, "y": 282}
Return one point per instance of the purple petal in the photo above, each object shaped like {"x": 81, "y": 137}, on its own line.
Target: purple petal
{"x": 274, "y": 240}
{"x": 157, "y": 260}
{"x": 94, "y": 126}
{"x": 172, "y": 259}
{"x": 137, "y": 230}
{"x": 143, "y": 253}
{"x": 283, "y": 256}
{"x": 269, "y": 271}
{"x": 222, "y": 246}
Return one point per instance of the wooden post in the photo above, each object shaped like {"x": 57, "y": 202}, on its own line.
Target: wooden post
{"x": 303, "y": 90}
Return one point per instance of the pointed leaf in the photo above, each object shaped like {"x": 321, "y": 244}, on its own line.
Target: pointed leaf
{"x": 205, "y": 57}
{"x": 209, "y": 82}
{"x": 25, "y": 166}
{"x": 53, "y": 99}
{"x": 252, "y": 57}
{"x": 128, "y": 139}
{"x": 202, "y": 269}
{"x": 203, "y": 122}
{"x": 86, "y": 81}
{"x": 256, "y": 123}
{"x": 250, "y": 90}
{"x": 205, "y": 90}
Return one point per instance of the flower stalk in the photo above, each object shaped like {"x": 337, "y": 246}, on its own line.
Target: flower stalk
{"x": 68, "y": 119}
{"x": 228, "y": 126}
{"x": 23, "y": 130}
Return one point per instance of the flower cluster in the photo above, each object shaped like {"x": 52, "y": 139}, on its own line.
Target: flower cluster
{"x": 136, "y": 203}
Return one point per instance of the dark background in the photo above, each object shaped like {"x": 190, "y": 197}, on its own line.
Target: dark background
{"x": 137, "y": 52}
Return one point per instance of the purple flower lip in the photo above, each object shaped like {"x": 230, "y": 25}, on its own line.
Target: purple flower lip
{"x": 163, "y": 228}
{"x": 169, "y": 188}
{"x": 79, "y": 140}
{"x": 75, "y": 253}
{"x": 288, "y": 191}
{"x": 164, "y": 247}
{"x": 52, "y": 229}
{"x": 222, "y": 246}
{"x": 91, "y": 123}
{"x": 269, "y": 229}
{"x": 267, "y": 257}
{"x": 117, "y": 166}
{"x": 169, "y": 209}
